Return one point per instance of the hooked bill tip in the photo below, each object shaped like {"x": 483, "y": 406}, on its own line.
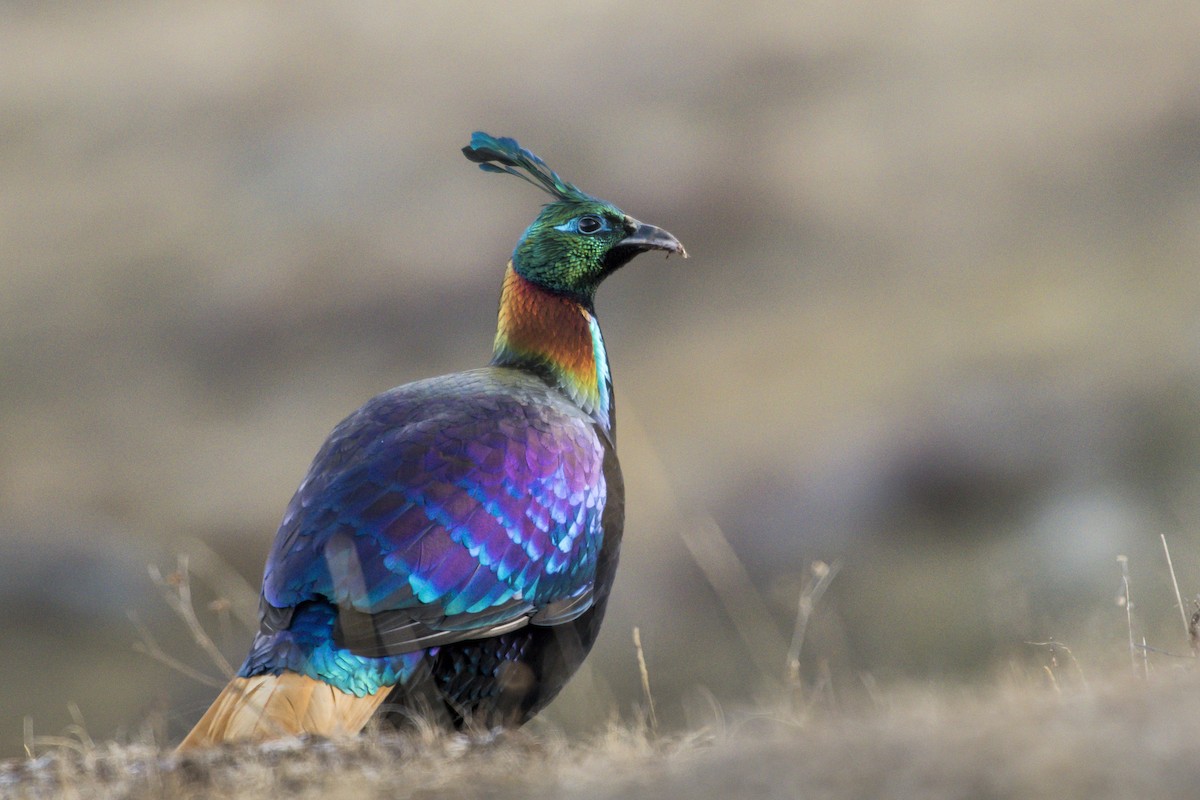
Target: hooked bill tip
{"x": 651, "y": 237}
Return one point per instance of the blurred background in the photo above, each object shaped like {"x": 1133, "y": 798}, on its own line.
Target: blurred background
{"x": 941, "y": 322}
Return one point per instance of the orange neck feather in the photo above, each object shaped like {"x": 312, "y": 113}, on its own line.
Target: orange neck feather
{"x": 545, "y": 330}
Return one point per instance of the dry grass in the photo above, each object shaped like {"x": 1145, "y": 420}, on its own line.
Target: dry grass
{"x": 1123, "y": 738}
{"x": 1034, "y": 732}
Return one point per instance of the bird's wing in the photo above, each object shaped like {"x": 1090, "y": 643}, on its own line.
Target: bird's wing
{"x": 445, "y": 510}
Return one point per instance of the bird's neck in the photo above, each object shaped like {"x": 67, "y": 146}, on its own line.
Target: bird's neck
{"x": 558, "y": 337}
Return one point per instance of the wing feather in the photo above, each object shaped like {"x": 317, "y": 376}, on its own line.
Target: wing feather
{"x": 445, "y": 510}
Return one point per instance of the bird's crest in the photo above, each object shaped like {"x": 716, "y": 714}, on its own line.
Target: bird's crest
{"x": 506, "y": 155}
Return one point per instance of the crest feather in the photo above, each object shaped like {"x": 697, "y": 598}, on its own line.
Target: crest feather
{"x": 503, "y": 154}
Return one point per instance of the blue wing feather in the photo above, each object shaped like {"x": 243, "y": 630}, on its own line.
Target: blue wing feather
{"x": 447, "y": 499}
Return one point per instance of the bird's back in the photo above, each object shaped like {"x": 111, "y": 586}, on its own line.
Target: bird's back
{"x": 458, "y": 533}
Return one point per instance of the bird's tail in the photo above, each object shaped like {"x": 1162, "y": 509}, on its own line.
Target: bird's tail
{"x": 275, "y": 706}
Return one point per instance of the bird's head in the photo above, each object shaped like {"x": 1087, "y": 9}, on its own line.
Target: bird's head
{"x": 577, "y": 240}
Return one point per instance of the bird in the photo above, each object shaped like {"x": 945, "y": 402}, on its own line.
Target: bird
{"x": 449, "y": 554}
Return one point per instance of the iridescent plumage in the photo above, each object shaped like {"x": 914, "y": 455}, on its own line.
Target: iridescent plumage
{"x": 453, "y": 544}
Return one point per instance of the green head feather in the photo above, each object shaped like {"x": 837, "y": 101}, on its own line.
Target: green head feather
{"x": 577, "y": 240}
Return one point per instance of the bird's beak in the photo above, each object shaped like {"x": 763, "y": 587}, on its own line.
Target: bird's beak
{"x": 648, "y": 237}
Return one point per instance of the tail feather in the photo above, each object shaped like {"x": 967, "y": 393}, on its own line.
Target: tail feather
{"x": 273, "y": 706}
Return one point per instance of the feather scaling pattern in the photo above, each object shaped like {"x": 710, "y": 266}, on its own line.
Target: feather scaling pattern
{"x": 451, "y": 549}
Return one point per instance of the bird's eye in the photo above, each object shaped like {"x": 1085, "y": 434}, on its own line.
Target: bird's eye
{"x": 590, "y": 224}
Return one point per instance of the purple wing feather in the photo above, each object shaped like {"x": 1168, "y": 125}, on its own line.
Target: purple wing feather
{"x": 448, "y": 508}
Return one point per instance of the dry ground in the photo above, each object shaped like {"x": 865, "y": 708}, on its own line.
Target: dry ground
{"x": 1123, "y": 738}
